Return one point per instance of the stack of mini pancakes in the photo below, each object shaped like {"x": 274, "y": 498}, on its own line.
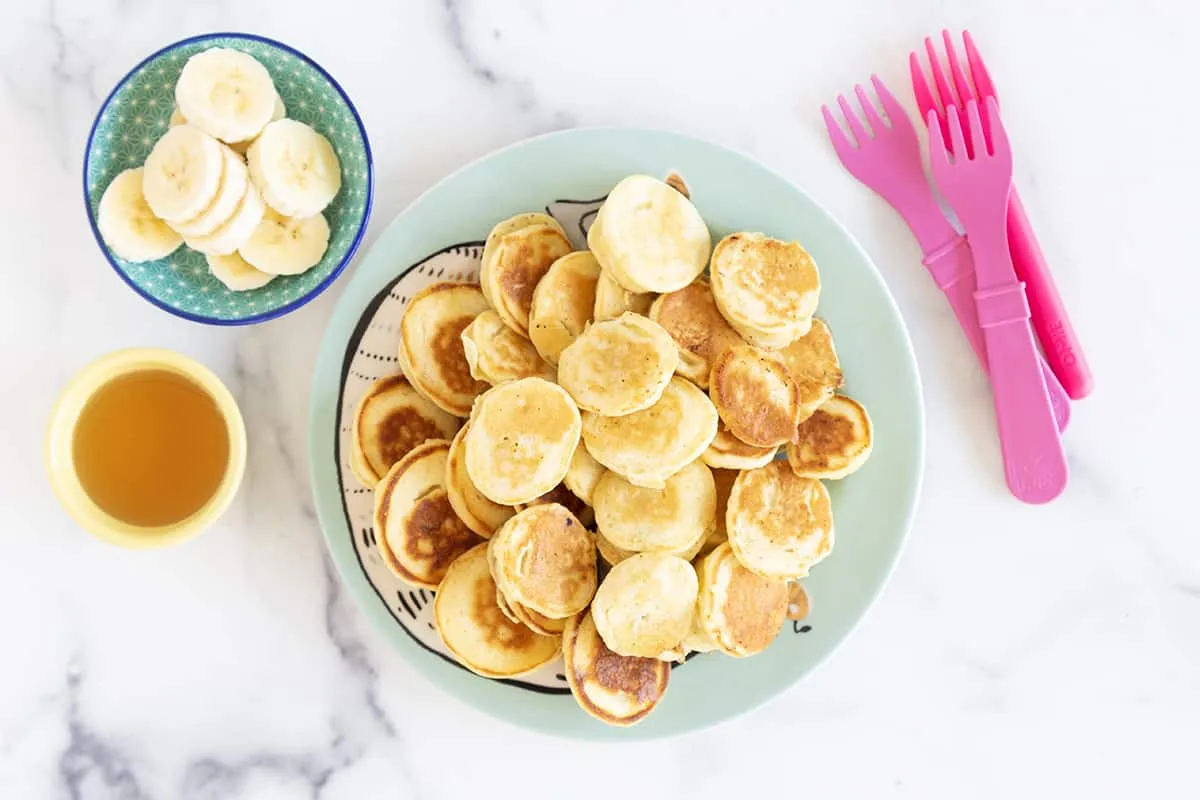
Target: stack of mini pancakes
{"x": 582, "y": 455}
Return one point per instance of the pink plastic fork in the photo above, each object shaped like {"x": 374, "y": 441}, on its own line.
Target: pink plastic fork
{"x": 976, "y": 182}
{"x": 888, "y": 160}
{"x": 1058, "y": 338}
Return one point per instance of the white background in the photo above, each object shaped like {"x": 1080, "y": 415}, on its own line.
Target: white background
{"x": 1050, "y": 652}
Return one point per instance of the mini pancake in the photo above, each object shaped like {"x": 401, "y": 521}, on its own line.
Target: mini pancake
{"x": 544, "y": 559}
{"x": 723, "y": 479}
{"x": 755, "y": 396}
{"x": 418, "y": 532}
{"x": 613, "y": 299}
{"x": 521, "y": 439}
{"x": 670, "y": 519}
{"x": 496, "y": 353}
{"x": 779, "y": 524}
{"x": 798, "y": 601}
{"x": 505, "y": 608}
{"x": 567, "y": 499}
{"x": 729, "y": 452}
{"x": 583, "y": 474}
{"x": 391, "y": 419}
{"x": 834, "y": 442}
{"x": 741, "y": 612}
{"x": 615, "y": 689}
{"x": 814, "y": 366}
{"x": 563, "y": 303}
{"x": 645, "y": 605}
{"x": 649, "y": 446}
{"x": 618, "y": 366}
{"x": 431, "y": 349}
{"x": 650, "y": 236}
{"x": 480, "y": 514}
{"x": 765, "y": 287}
{"x": 691, "y": 318}
{"x": 516, "y": 255}
{"x": 477, "y": 632}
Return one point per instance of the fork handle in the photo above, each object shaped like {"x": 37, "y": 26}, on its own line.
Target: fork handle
{"x": 953, "y": 271}
{"x": 1049, "y": 314}
{"x": 1035, "y": 466}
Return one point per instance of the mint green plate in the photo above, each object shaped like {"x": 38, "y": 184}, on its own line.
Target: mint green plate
{"x": 439, "y": 237}
{"x": 137, "y": 113}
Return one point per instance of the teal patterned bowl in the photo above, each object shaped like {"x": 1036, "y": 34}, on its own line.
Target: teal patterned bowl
{"x": 136, "y": 114}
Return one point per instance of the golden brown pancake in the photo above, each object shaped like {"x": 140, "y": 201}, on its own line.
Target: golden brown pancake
{"x": 431, "y": 349}
{"x": 512, "y": 265}
{"x": 729, "y": 452}
{"x": 618, "y": 366}
{"x": 832, "y": 443}
{"x": 779, "y": 524}
{"x": 615, "y": 689}
{"x": 767, "y": 289}
{"x": 563, "y": 303}
{"x": 610, "y": 554}
{"x": 391, "y": 419}
{"x": 670, "y": 519}
{"x": 646, "y": 604}
{"x": 755, "y": 396}
{"x": 691, "y": 318}
{"x": 496, "y": 353}
{"x": 477, "y": 632}
{"x": 419, "y": 534}
{"x": 649, "y": 236}
{"x": 521, "y": 439}
{"x": 473, "y": 507}
{"x": 814, "y": 366}
{"x": 544, "y": 559}
{"x": 537, "y": 622}
{"x": 740, "y": 611}
{"x": 649, "y": 446}
{"x": 798, "y": 601}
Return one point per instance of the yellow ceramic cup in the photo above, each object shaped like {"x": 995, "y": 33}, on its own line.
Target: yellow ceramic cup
{"x": 60, "y": 460}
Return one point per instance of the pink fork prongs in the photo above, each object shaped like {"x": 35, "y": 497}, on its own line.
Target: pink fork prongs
{"x": 891, "y": 108}
{"x": 950, "y": 99}
{"x": 981, "y": 129}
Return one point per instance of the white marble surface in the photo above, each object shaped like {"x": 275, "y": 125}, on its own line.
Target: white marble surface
{"x": 1050, "y": 652}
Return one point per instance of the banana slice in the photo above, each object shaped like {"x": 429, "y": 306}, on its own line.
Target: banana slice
{"x": 236, "y": 231}
{"x": 286, "y": 245}
{"x": 233, "y": 271}
{"x": 234, "y": 179}
{"x": 226, "y": 93}
{"x": 295, "y": 167}
{"x": 127, "y": 224}
{"x": 182, "y": 173}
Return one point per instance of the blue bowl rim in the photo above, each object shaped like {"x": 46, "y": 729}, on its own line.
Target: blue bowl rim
{"x": 275, "y": 312}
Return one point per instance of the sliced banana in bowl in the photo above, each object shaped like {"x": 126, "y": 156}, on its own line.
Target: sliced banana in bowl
{"x": 187, "y": 119}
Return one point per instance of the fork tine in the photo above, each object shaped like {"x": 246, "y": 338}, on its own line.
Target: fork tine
{"x": 856, "y": 126}
{"x": 976, "y": 128}
{"x": 895, "y": 112}
{"x": 939, "y": 76}
{"x": 841, "y": 144}
{"x": 979, "y": 72}
{"x": 984, "y": 87}
{"x": 957, "y": 145}
{"x": 925, "y": 101}
{"x": 872, "y": 114}
{"x": 961, "y": 84}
